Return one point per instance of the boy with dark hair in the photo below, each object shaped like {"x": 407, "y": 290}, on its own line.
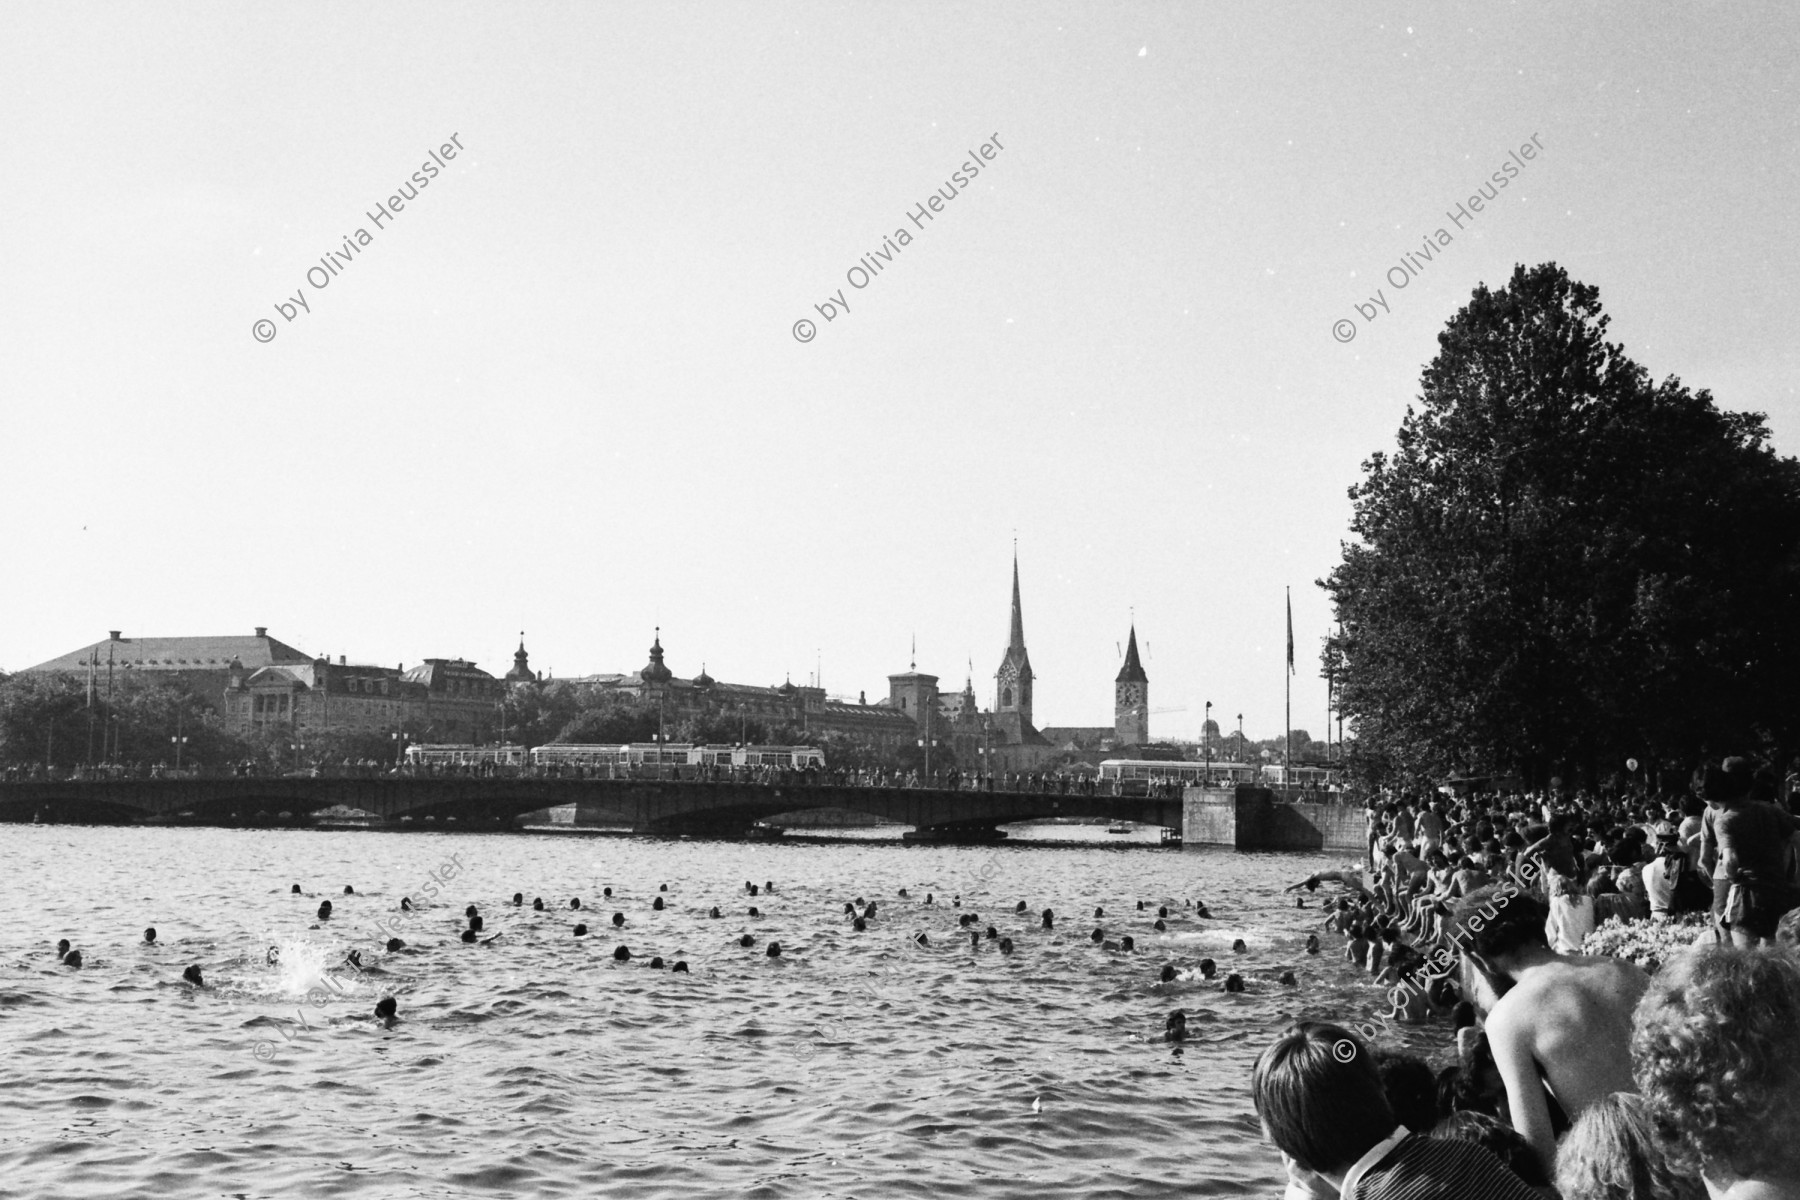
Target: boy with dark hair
{"x": 1321, "y": 1102}
{"x": 1559, "y": 1025}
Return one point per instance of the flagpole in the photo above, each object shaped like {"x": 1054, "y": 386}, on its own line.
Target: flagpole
{"x": 1287, "y": 721}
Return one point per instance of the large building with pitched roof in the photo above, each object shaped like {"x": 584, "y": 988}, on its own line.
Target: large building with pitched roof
{"x": 260, "y": 682}
{"x": 202, "y": 664}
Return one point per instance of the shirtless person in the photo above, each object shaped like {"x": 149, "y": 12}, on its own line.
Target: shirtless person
{"x": 1559, "y": 1024}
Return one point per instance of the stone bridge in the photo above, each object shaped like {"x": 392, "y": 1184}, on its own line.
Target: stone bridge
{"x": 645, "y": 805}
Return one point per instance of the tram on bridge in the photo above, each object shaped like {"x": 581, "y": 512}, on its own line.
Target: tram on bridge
{"x": 624, "y": 759}
{"x": 1133, "y": 776}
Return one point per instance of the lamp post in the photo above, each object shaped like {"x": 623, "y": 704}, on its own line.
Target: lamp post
{"x": 1206, "y": 736}
{"x": 399, "y": 744}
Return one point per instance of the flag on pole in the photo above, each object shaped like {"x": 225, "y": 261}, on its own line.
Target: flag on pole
{"x": 1290, "y": 616}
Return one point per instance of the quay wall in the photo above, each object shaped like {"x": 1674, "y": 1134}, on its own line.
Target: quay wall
{"x": 1251, "y": 818}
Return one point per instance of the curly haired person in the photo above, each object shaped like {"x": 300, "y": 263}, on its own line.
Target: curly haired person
{"x": 1716, "y": 1055}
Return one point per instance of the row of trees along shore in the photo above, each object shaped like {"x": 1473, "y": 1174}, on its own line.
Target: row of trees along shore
{"x": 1562, "y": 566}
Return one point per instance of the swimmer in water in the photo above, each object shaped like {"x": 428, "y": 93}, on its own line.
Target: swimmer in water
{"x": 606, "y": 892}
{"x": 1006, "y": 945}
{"x": 192, "y": 975}
{"x": 348, "y": 890}
{"x": 405, "y": 904}
{"x": 974, "y": 939}
{"x": 1128, "y": 943}
{"x": 1162, "y": 913}
{"x": 62, "y": 948}
{"x": 746, "y": 941}
{"x": 1140, "y": 906}
{"x": 273, "y": 957}
{"x": 1049, "y": 919}
{"x": 680, "y": 967}
{"x": 903, "y": 894}
{"x": 72, "y": 959}
{"x": 1175, "y": 1028}
{"x": 1168, "y": 974}
{"x": 575, "y": 903}
{"x": 324, "y": 910}
{"x": 1288, "y": 979}
{"x": 581, "y": 931}
{"x": 755, "y": 911}
{"x": 1234, "y": 983}
{"x": 1161, "y": 926}
{"x": 1099, "y": 913}
{"x": 992, "y": 933}
{"x": 769, "y": 888}
{"x": 921, "y": 939}
{"x": 663, "y": 887}
{"x": 618, "y": 920}
{"x": 869, "y": 912}
{"x": 774, "y": 950}
{"x": 476, "y": 924}
{"x": 354, "y": 959}
{"x": 295, "y": 889}
{"x": 656, "y": 964}
{"x": 1208, "y": 968}
{"x": 1238, "y": 946}
{"x": 518, "y": 899}
{"x": 394, "y": 944}
{"x": 470, "y": 911}
{"x": 928, "y": 899}
{"x": 1312, "y": 943}
{"x": 150, "y": 936}
{"x": 714, "y": 914}
{"x": 859, "y": 924}
{"x": 622, "y": 954}
{"x": 468, "y": 936}
{"x": 1097, "y": 936}
{"x": 1200, "y": 910}
{"x": 387, "y": 1011}
{"x": 657, "y": 904}
{"x": 537, "y": 904}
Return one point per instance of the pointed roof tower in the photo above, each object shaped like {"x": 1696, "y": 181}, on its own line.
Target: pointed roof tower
{"x": 521, "y": 670}
{"x": 655, "y": 671}
{"x": 1133, "y": 670}
{"x": 1017, "y": 641}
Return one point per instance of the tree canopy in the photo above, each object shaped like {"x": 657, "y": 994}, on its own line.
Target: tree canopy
{"x": 1562, "y": 564}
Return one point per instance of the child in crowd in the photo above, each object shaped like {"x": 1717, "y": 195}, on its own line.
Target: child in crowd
{"x": 1321, "y": 1102}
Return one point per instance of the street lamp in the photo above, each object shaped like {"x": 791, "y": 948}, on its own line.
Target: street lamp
{"x": 178, "y": 742}
{"x": 400, "y": 744}
{"x": 1206, "y": 736}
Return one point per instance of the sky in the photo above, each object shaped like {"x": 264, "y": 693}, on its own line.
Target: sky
{"x": 564, "y": 389}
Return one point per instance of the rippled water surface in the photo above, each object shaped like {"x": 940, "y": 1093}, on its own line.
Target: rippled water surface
{"x": 853, "y": 1065}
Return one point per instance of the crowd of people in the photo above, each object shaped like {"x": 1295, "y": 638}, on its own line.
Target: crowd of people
{"x": 1575, "y": 1073}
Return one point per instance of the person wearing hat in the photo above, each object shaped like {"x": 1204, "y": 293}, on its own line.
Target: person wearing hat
{"x": 1744, "y": 845}
{"x": 1664, "y": 871}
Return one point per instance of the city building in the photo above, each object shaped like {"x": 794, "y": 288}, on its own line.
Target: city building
{"x": 201, "y": 664}
{"x": 806, "y": 708}
{"x": 440, "y": 700}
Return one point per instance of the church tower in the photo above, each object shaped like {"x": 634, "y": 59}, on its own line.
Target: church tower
{"x": 1131, "y": 699}
{"x": 1012, "y": 682}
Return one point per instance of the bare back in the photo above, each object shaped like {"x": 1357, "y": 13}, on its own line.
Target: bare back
{"x": 1565, "y": 1025}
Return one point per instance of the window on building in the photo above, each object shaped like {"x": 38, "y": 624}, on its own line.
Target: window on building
{"x": 1006, "y": 698}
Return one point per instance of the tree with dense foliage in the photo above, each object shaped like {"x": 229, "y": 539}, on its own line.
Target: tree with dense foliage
{"x": 1562, "y": 564}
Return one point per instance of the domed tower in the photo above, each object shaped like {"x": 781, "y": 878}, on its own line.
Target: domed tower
{"x": 1131, "y": 698}
{"x": 521, "y": 668}
{"x": 655, "y": 672}
{"x": 1012, "y": 682}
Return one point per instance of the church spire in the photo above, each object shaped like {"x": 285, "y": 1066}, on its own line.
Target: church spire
{"x": 1133, "y": 670}
{"x": 1017, "y": 641}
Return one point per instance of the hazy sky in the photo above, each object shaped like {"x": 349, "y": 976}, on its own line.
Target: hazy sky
{"x": 561, "y": 390}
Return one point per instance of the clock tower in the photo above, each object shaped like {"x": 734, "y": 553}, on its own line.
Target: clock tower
{"x": 1131, "y": 699}
{"x": 1012, "y": 682}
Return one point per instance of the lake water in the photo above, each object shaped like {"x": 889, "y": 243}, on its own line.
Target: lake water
{"x": 856, "y": 1064}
